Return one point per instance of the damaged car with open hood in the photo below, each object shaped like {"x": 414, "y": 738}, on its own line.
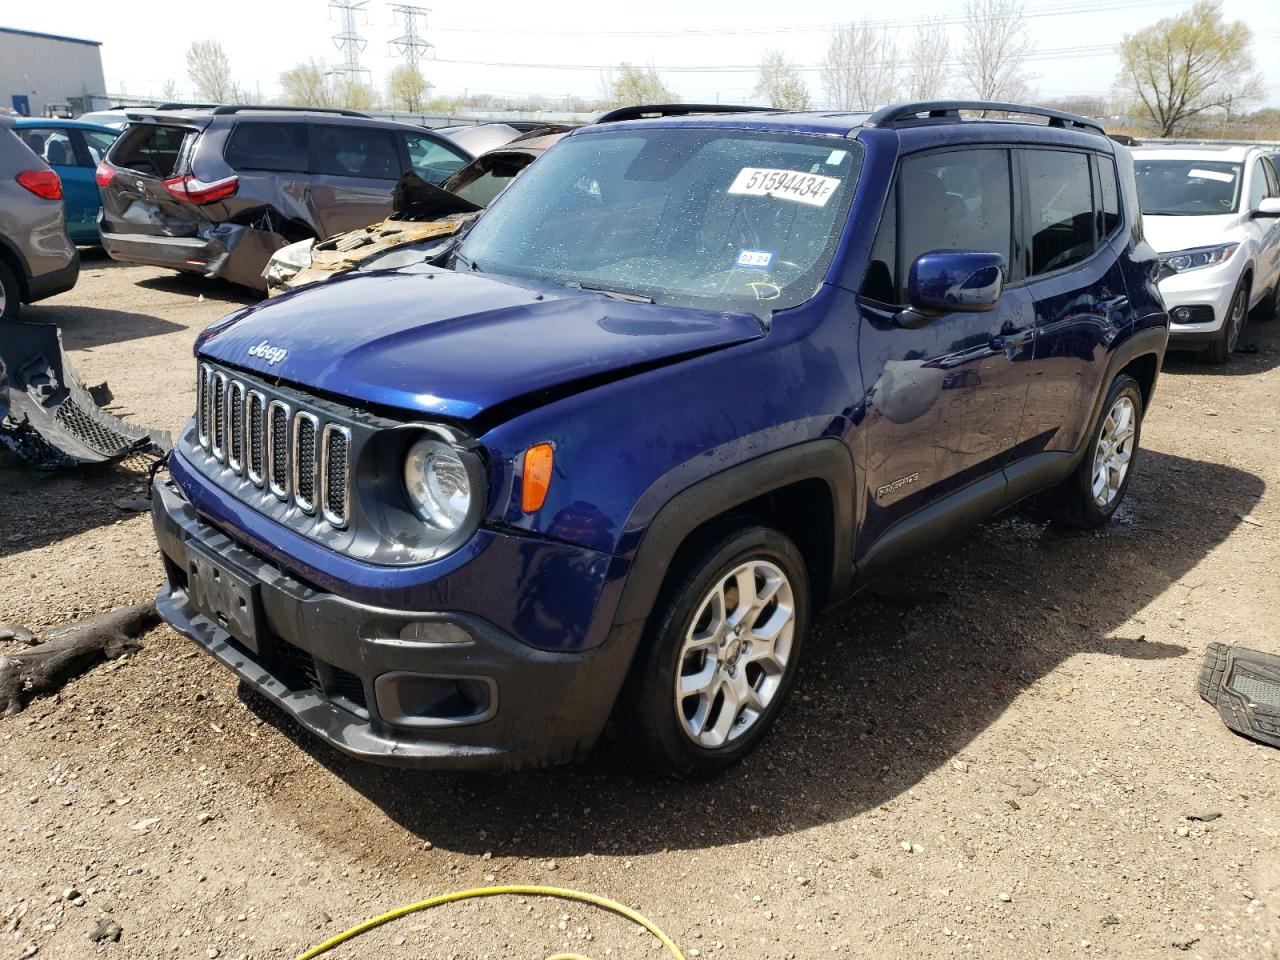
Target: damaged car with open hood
{"x": 217, "y": 190}
{"x": 691, "y": 379}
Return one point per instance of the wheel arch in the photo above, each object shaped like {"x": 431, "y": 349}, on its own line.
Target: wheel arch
{"x": 13, "y": 259}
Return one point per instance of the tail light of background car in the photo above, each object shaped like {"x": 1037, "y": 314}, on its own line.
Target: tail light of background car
{"x": 195, "y": 190}
{"x": 104, "y": 174}
{"x": 43, "y": 183}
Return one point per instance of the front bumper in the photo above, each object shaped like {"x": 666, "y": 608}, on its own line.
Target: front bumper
{"x": 1208, "y": 291}
{"x": 340, "y": 668}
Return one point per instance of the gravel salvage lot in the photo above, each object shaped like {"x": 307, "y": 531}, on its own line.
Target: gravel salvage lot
{"x": 993, "y": 756}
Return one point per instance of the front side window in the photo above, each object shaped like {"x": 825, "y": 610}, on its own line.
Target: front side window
{"x": 355, "y": 151}
{"x": 952, "y": 200}
{"x": 1060, "y": 205}
{"x": 703, "y": 217}
{"x": 432, "y": 160}
{"x": 268, "y": 146}
{"x": 1186, "y": 188}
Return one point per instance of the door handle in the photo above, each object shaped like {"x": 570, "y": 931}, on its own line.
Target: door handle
{"x": 1005, "y": 341}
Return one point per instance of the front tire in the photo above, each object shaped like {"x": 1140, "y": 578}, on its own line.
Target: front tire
{"x": 720, "y": 656}
{"x": 1220, "y": 349}
{"x": 1092, "y": 494}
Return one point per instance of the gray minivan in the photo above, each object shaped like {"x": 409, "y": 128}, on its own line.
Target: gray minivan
{"x": 216, "y": 190}
{"x": 37, "y": 259}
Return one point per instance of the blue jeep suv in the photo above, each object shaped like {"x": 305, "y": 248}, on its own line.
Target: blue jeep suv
{"x": 693, "y": 378}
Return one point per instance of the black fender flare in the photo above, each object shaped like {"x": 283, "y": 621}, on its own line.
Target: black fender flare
{"x": 1151, "y": 341}
{"x": 826, "y": 459}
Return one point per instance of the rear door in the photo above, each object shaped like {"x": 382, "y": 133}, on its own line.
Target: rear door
{"x": 136, "y": 202}
{"x": 1074, "y": 230}
{"x": 354, "y": 171}
{"x": 56, "y": 145}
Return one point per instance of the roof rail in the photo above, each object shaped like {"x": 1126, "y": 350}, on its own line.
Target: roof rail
{"x": 906, "y": 113}
{"x": 180, "y": 106}
{"x": 224, "y": 109}
{"x": 647, "y": 111}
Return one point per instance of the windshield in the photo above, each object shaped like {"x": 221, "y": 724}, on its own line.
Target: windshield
{"x": 1185, "y": 188}
{"x": 711, "y": 218}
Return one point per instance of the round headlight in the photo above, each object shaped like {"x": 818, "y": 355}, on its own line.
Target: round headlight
{"x": 437, "y": 483}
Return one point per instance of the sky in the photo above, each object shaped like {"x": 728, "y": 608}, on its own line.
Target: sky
{"x": 706, "y": 50}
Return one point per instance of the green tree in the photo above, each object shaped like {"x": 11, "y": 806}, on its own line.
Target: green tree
{"x": 307, "y": 85}
{"x": 210, "y": 71}
{"x": 407, "y": 88}
{"x": 781, "y": 84}
{"x": 355, "y": 94}
{"x": 1184, "y": 66}
{"x": 633, "y": 85}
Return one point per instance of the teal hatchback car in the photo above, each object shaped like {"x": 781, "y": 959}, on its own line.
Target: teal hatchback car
{"x": 73, "y": 149}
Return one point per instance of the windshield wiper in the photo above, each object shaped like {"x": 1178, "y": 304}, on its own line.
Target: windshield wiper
{"x": 615, "y": 294}
{"x": 467, "y": 262}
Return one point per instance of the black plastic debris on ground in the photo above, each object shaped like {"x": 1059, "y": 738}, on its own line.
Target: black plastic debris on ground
{"x": 48, "y": 417}
{"x": 1245, "y": 687}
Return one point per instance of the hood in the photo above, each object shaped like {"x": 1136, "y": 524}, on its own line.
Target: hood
{"x": 1170, "y": 234}
{"x": 456, "y": 345}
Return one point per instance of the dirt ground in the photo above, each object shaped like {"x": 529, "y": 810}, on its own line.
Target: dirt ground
{"x": 994, "y": 756}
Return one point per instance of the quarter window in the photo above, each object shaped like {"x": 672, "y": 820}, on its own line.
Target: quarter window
{"x": 1109, "y": 199}
{"x": 1258, "y": 186}
{"x": 1060, "y": 204}
{"x": 354, "y": 151}
{"x": 268, "y": 146}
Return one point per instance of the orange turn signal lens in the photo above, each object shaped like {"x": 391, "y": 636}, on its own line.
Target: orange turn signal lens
{"x": 537, "y": 477}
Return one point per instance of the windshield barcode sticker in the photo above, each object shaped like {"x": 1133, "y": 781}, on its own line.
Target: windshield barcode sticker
{"x": 809, "y": 188}
{"x": 1219, "y": 175}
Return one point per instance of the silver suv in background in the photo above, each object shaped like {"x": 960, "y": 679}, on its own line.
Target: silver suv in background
{"x": 37, "y": 259}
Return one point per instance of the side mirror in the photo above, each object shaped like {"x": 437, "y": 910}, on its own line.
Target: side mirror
{"x": 945, "y": 281}
{"x": 1269, "y": 207}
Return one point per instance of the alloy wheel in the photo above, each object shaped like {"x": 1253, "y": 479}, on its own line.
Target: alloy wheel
{"x": 735, "y": 653}
{"x": 1235, "y": 319}
{"x": 1114, "y": 451}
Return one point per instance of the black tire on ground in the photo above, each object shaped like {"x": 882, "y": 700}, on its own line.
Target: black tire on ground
{"x": 647, "y": 722}
{"x": 1220, "y": 350}
{"x": 1072, "y": 503}
{"x": 1269, "y": 308}
{"x": 12, "y": 294}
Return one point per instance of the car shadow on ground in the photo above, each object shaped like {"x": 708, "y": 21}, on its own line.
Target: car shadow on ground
{"x": 84, "y": 328}
{"x": 893, "y": 687}
{"x": 194, "y": 285}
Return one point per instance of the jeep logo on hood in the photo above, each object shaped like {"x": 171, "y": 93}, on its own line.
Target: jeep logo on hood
{"x": 267, "y": 352}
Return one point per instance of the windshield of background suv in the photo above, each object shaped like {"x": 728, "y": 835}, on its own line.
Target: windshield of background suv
{"x": 711, "y": 218}
{"x": 1185, "y": 188}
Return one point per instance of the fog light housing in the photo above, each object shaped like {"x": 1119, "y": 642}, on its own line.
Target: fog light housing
{"x": 1182, "y": 314}
{"x": 435, "y": 700}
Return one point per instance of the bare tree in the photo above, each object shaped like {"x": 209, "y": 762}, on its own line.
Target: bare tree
{"x": 781, "y": 84}
{"x": 860, "y": 70}
{"x": 930, "y": 71}
{"x": 210, "y": 71}
{"x": 996, "y": 44}
{"x": 635, "y": 85}
{"x": 1186, "y": 65}
{"x": 169, "y": 92}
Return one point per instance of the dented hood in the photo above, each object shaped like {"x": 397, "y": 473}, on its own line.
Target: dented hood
{"x": 456, "y": 345}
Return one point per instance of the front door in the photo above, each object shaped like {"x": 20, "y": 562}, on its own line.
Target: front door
{"x": 945, "y": 399}
{"x": 355, "y": 172}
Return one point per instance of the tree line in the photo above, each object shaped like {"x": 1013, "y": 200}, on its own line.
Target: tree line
{"x": 1186, "y": 73}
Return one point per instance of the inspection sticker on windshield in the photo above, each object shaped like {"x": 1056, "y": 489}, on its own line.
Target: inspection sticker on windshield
{"x": 809, "y": 188}
{"x": 760, "y": 259}
{"x": 1219, "y": 175}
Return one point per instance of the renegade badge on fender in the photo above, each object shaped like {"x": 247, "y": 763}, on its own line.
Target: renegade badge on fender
{"x": 692, "y": 378}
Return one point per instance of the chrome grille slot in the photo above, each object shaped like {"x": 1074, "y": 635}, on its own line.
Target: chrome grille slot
{"x": 235, "y": 426}
{"x": 306, "y": 465}
{"x": 219, "y": 426}
{"x": 255, "y": 437}
{"x": 278, "y": 448}
{"x": 334, "y": 473}
{"x": 203, "y": 392}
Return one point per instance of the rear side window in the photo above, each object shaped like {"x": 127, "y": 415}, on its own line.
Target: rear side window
{"x": 1108, "y": 197}
{"x": 150, "y": 148}
{"x": 1060, "y": 205}
{"x": 268, "y": 146}
{"x": 355, "y": 151}
{"x": 951, "y": 200}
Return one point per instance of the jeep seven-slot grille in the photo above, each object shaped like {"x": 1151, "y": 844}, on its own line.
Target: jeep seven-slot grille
{"x": 293, "y": 453}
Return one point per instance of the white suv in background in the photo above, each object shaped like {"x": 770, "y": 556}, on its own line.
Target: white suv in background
{"x": 1213, "y": 214}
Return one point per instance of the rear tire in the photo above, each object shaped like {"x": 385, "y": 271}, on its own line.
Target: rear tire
{"x": 717, "y": 664}
{"x": 10, "y": 293}
{"x": 1269, "y": 308}
{"x": 1091, "y": 495}
{"x": 1220, "y": 350}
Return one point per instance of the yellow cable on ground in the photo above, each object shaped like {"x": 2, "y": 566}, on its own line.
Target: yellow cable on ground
{"x": 519, "y": 890}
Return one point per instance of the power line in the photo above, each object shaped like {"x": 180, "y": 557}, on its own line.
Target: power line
{"x": 349, "y": 43}
{"x": 410, "y": 44}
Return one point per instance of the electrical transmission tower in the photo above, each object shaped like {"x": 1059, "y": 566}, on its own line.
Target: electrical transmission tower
{"x": 349, "y": 43}
{"x": 410, "y": 44}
